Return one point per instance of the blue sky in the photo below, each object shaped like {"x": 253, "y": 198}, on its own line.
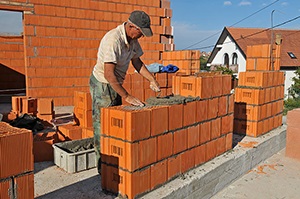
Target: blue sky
{"x": 198, "y": 20}
{"x": 195, "y": 20}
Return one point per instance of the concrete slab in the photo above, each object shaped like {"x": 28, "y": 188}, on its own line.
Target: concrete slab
{"x": 276, "y": 177}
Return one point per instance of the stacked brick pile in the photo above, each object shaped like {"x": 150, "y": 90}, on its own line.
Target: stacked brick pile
{"x": 43, "y": 109}
{"x": 259, "y": 95}
{"x": 16, "y": 163}
{"x": 188, "y": 61}
{"x": 143, "y": 148}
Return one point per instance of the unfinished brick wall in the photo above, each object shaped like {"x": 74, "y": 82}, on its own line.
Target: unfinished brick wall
{"x": 12, "y": 65}
{"x": 61, "y": 40}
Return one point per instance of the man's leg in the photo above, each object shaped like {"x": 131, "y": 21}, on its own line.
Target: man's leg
{"x": 102, "y": 96}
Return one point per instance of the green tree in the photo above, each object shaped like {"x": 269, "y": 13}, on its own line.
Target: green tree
{"x": 203, "y": 62}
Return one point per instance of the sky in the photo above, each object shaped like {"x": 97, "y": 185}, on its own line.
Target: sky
{"x": 197, "y": 24}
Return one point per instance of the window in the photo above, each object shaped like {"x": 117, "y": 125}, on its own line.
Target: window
{"x": 11, "y": 22}
{"x": 234, "y": 59}
{"x": 291, "y": 54}
{"x": 226, "y": 60}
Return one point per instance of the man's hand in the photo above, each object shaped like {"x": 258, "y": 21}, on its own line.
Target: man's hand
{"x": 154, "y": 86}
{"x": 134, "y": 101}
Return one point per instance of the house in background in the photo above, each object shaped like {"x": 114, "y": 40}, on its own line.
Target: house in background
{"x": 231, "y": 49}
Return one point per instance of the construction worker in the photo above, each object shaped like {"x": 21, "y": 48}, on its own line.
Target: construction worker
{"x": 117, "y": 48}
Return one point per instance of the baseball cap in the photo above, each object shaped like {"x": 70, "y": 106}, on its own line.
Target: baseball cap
{"x": 141, "y": 20}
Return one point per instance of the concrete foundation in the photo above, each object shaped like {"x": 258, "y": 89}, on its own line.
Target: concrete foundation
{"x": 211, "y": 177}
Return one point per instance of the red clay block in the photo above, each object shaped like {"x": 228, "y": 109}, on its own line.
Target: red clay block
{"x": 200, "y": 154}
{"x": 180, "y": 141}
{"x": 158, "y": 173}
{"x": 227, "y": 124}
{"x": 24, "y": 185}
{"x": 71, "y": 132}
{"x": 204, "y": 87}
{"x": 175, "y": 116}
{"x": 29, "y": 105}
{"x": 122, "y": 154}
{"x": 201, "y": 114}
{"x": 213, "y": 105}
{"x": 205, "y": 132}
{"x": 125, "y": 183}
{"x": 15, "y": 150}
{"x": 126, "y": 124}
{"x": 43, "y": 150}
{"x": 216, "y": 86}
{"x": 223, "y": 106}
{"x": 188, "y": 86}
{"x": 147, "y": 152}
{"x": 215, "y": 128}
{"x": 189, "y": 113}
{"x": 229, "y": 139}
{"x": 162, "y": 79}
{"x": 221, "y": 145}
{"x": 211, "y": 149}
{"x": 159, "y": 120}
{"x": 83, "y": 117}
{"x": 187, "y": 160}
{"x": 164, "y": 146}
{"x": 193, "y": 136}
{"x": 105, "y": 121}
{"x": 87, "y": 133}
{"x": 83, "y": 100}
{"x": 230, "y": 101}
{"x": 174, "y": 166}
{"x": 45, "y": 106}
{"x": 226, "y": 84}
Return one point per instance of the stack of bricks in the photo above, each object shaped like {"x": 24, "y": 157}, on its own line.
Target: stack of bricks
{"x": 260, "y": 57}
{"x": 44, "y": 110}
{"x": 143, "y": 148}
{"x": 16, "y": 162}
{"x": 188, "y": 61}
{"x": 259, "y": 95}
{"x": 21, "y": 105}
{"x": 83, "y": 112}
{"x": 83, "y": 127}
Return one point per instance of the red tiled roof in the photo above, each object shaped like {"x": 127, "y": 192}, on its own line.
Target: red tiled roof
{"x": 253, "y": 36}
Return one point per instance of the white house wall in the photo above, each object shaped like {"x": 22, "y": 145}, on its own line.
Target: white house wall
{"x": 289, "y": 74}
{"x": 230, "y": 47}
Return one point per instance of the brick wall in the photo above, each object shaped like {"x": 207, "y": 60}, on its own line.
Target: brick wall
{"x": 12, "y": 66}
{"x": 61, "y": 40}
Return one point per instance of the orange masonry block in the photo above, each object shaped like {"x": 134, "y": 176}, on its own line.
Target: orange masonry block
{"x": 15, "y": 150}
{"x": 70, "y": 132}
{"x": 126, "y": 122}
{"x": 83, "y": 100}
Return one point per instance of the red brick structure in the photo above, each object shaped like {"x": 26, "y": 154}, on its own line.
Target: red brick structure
{"x": 60, "y": 41}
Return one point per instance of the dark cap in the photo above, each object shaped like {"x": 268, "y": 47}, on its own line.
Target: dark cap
{"x": 141, "y": 20}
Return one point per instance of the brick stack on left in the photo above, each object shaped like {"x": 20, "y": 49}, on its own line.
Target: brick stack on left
{"x": 16, "y": 162}
{"x": 83, "y": 127}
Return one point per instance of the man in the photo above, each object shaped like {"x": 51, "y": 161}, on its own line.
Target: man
{"x": 117, "y": 48}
